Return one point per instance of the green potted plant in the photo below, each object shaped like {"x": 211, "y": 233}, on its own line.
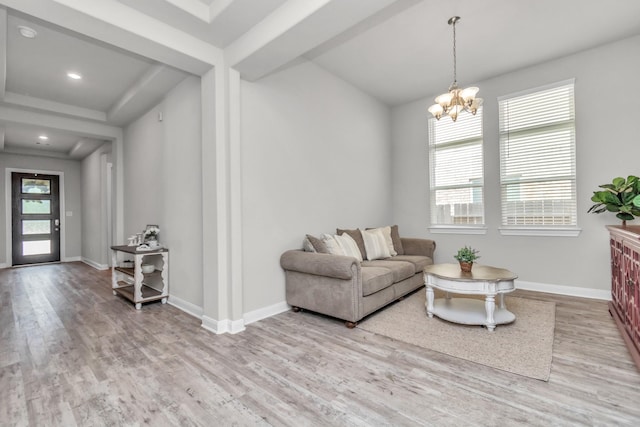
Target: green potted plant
{"x": 466, "y": 256}
{"x": 620, "y": 197}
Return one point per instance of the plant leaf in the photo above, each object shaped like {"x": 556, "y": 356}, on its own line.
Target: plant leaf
{"x": 618, "y": 182}
{"x": 624, "y": 216}
{"x": 609, "y": 198}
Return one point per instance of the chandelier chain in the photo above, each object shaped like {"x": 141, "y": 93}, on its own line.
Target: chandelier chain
{"x": 455, "y": 78}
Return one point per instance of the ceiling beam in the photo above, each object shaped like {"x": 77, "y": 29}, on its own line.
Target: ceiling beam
{"x": 77, "y": 146}
{"x": 3, "y": 51}
{"x": 274, "y": 25}
{"x": 194, "y": 8}
{"x": 294, "y": 29}
{"x": 84, "y": 147}
{"x": 80, "y": 127}
{"x": 119, "y": 25}
{"x": 53, "y": 107}
{"x": 144, "y": 93}
{"x": 200, "y": 10}
{"x": 217, "y": 7}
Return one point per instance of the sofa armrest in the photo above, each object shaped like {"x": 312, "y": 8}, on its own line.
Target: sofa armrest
{"x": 328, "y": 265}
{"x": 424, "y": 247}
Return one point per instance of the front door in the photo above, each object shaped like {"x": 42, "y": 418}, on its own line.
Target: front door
{"x": 35, "y": 218}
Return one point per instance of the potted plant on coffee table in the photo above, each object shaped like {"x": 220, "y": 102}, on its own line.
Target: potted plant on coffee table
{"x": 466, "y": 256}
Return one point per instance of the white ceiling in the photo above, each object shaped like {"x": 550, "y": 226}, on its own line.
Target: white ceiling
{"x": 409, "y": 56}
{"x": 395, "y": 50}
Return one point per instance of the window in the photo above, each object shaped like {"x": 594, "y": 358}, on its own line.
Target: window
{"x": 538, "y": 159}
{"x": 456, "y": 172}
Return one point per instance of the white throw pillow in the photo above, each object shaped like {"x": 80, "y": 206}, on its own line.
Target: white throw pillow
{"x": 375, "y": 244}
{"x": 332, "y": 244}
{"x": 386, "y": 232}
{"x": 349, "y": 246}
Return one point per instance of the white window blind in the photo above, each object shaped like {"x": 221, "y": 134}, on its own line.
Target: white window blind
{"x": 456, "y": 170}
{"x": 538, "y": 158}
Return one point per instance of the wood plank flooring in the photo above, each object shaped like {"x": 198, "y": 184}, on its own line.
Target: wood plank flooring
{"x": 72, "y": 354}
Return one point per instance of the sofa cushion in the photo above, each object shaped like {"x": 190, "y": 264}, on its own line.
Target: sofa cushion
{"x": 386, "y": 233}
{"x": 307, "y": 246}
{"x": 375, "y": 244}
{"x": 375, "y": 279}
{"x": 357, "y": 236}
{"x": 332, "y": 244}
{"x": 397, "y": 243}
{"x": 349, "y": 246}
{"x": 317, "y": 244}
{"x": 400, "y": 269}
{"x": 419, "y": 262}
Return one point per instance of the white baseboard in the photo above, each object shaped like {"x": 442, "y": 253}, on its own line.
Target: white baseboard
{"x": 263, "y": 313}
{"x": 222, "y": 326}
{"x": 94, "y": 264}
{"x": 186, "y": 306}
{"x": 69, "y": 259}
{"x": 565, "y": 290}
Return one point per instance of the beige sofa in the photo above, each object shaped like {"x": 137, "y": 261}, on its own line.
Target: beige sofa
{"x": 343, "y": 287}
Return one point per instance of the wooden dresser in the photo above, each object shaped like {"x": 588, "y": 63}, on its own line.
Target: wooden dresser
{"x": 625, "y": 283}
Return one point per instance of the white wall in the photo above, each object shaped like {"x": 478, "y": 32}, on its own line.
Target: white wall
{"x": 315, "y": 156}
{"x": 162, "y": 184}
{"x": 95, "y": 246}
{"x": 72, "y": 198}
{"x": 607, "y": 129}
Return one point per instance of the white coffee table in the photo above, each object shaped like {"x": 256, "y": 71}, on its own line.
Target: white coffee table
{"x": 483, "y": 280}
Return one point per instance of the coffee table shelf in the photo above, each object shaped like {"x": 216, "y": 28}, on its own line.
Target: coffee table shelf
{"x": 468, "y": 311}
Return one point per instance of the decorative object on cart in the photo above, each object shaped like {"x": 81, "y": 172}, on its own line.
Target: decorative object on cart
{"x": 620, "y": 197}
{"x": 148, "y": 268}
{"x": 456, "y": 99}
{"x": 466, "y": 256}
{"x": 151, "y": 235}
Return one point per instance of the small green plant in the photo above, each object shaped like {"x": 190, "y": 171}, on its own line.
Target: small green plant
{"x": 620, "y": 197}
{"x": 467, "y": 254}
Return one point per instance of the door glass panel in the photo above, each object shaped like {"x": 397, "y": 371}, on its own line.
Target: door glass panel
{"x": 36, "y": 186}
{"x": 36, "y": 227}
{"x": 36, "y": 247}
{"x": 36, "y": 206}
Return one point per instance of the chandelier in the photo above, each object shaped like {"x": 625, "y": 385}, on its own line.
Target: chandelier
{"x": 456, "y": 100}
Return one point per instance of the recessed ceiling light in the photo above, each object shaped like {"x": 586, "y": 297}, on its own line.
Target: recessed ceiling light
{"x": 27, "y": 32}
{"x": 73, "y": 75}
{"x": 43, "y": 137}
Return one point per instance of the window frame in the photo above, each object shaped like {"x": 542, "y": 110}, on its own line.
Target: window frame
{"x": 572, "y": 230}
{"x": 439, "y": 228}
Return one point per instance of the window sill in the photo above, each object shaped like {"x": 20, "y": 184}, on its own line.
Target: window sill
{"x": 543, "y": 232}
{"x": 445, "y": 229}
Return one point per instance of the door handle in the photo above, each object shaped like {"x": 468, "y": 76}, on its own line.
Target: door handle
{"x": 56, "y": 222}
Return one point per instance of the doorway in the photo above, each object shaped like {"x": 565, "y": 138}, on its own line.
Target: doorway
{"x": 35, "y": 204}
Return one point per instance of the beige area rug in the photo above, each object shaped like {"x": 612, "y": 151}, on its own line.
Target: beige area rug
{"x": 523, "y": 347}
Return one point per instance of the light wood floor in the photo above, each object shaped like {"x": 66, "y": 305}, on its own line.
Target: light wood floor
{"x": 71, "y": 353}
